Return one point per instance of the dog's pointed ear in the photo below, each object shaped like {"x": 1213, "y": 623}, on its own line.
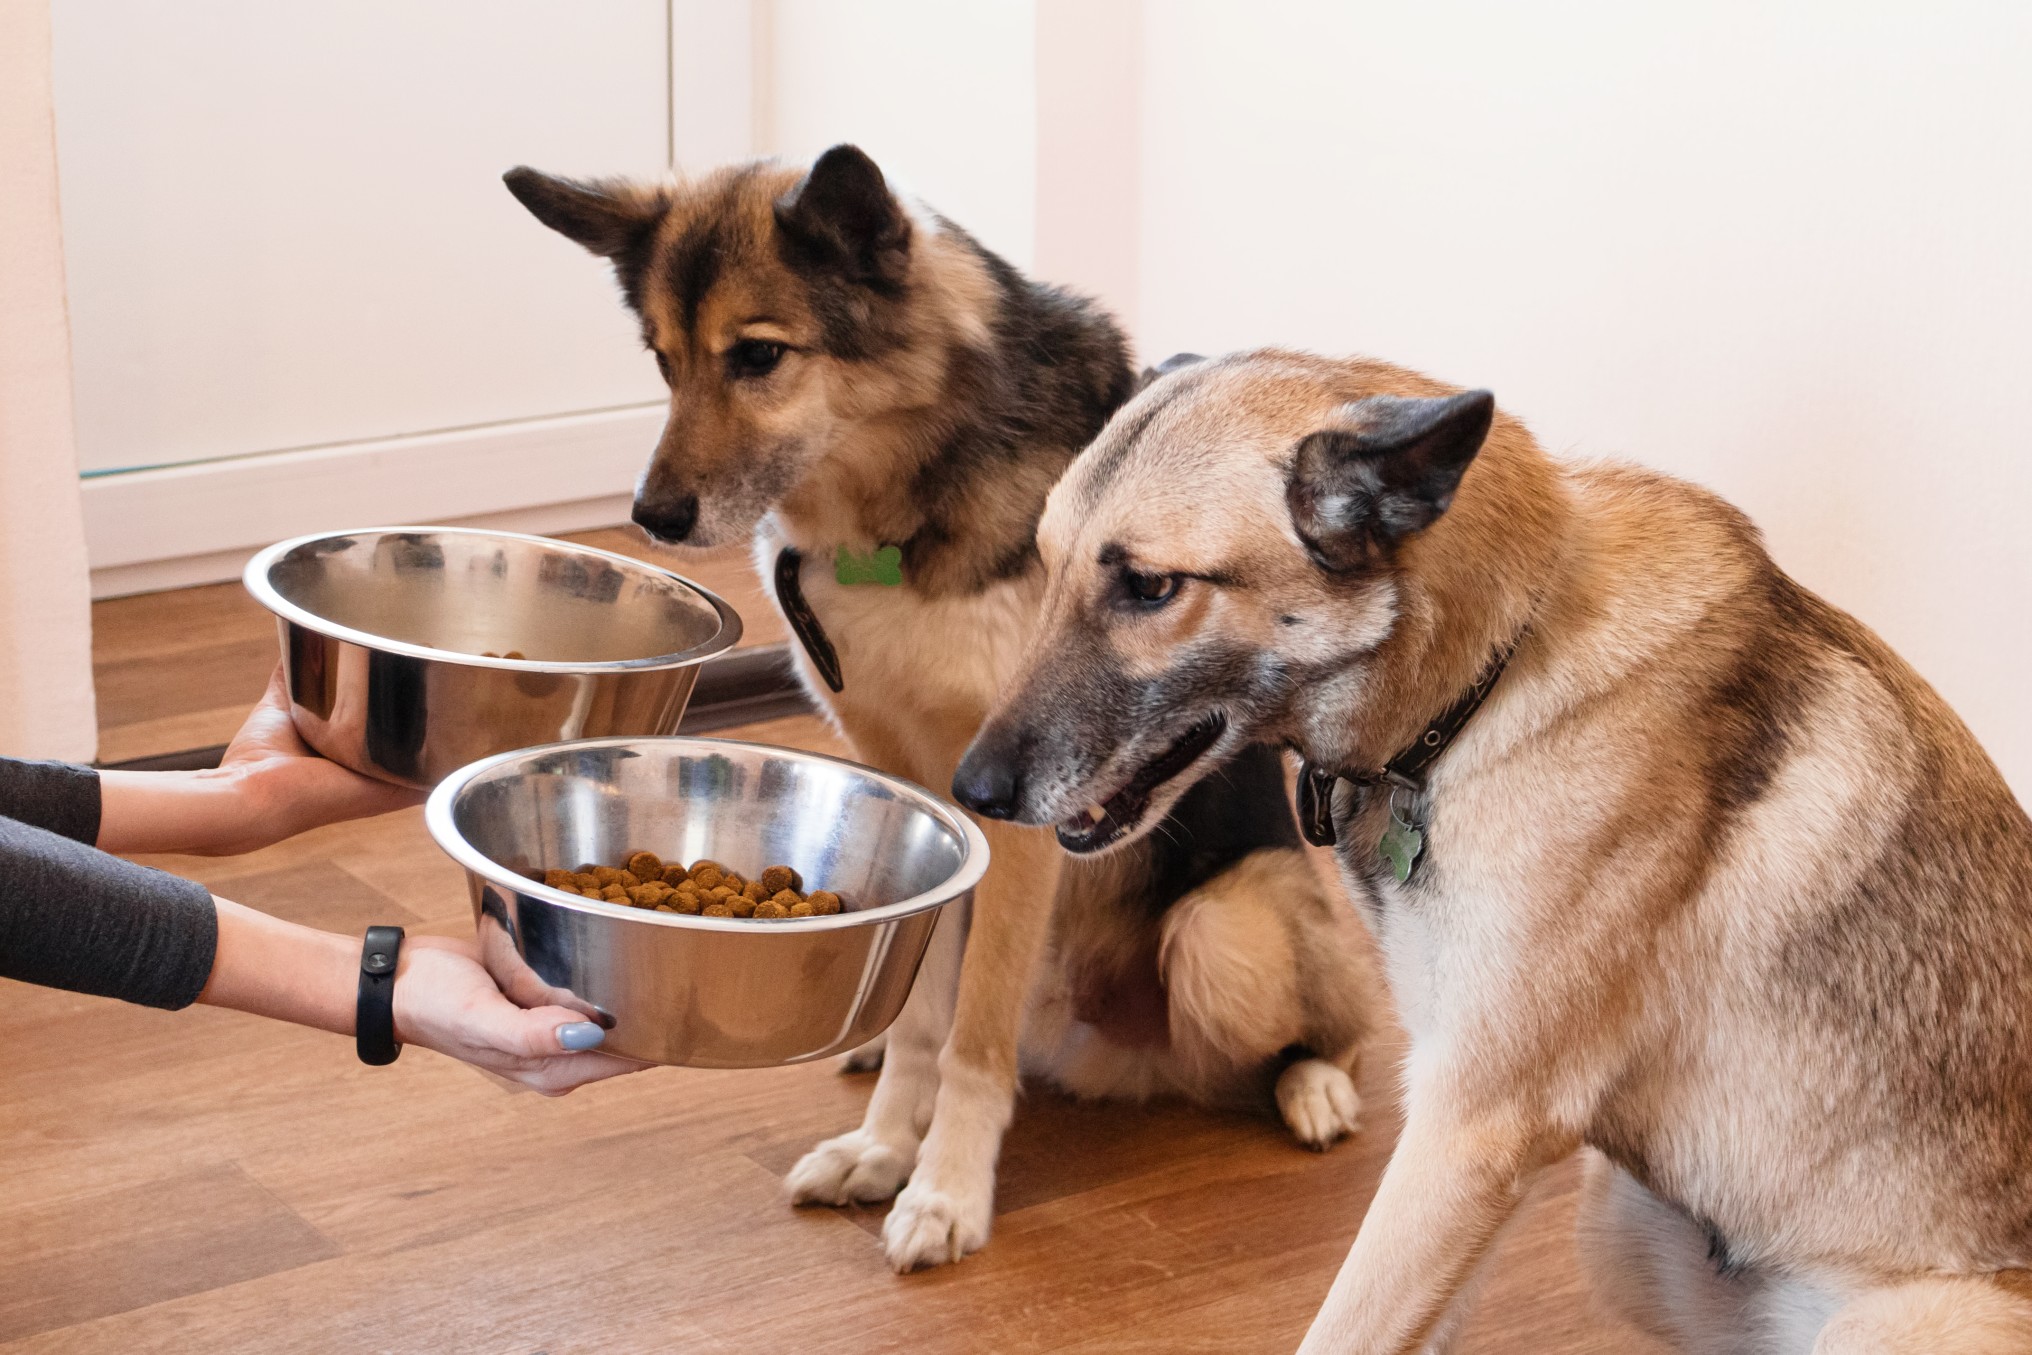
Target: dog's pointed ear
{"x": 1387, "y": 468}
{"x": 1165, "y": 368}
{"x": 841, "y": 215}
{"x": 608, "y": 217}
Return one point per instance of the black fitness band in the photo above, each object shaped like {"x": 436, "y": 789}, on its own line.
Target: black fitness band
{"x": 374, "y": 1017}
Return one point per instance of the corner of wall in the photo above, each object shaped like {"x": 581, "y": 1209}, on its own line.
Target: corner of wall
{"x": 47, "y": 708}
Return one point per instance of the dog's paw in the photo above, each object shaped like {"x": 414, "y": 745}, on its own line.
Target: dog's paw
{"x": 866, "y": 1059}
{"x": 934, "y": 1227}
{"x": 855, "y": 1168}
{"x": 1318, "y": 1102}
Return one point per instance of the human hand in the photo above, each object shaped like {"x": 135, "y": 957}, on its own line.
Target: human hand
{"x": 268, "y": 786}
{"x": 445, "y": 1000}
{"x": 290, "y": 788}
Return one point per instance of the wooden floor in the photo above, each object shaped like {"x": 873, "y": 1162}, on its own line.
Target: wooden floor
{"x": 208, "y": 1181}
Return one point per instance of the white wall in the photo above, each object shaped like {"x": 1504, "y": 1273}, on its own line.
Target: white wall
{"x": 942, "y": 95}
{"x": 286, "y": 225}
{"x": 1778, "y": 249}
{"x": 45, "y": 631}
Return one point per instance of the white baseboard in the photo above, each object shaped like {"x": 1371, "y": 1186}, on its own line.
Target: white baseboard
{"x": 182, "y": 525}
{"x": 187, "y": 571}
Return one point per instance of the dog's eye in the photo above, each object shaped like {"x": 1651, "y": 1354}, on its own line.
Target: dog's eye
{"x": 753, "y": 357}
{"x": 1149, "y": 590}
{"x": 662, "y": 365}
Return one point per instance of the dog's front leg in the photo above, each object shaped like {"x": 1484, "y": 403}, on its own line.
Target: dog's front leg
{"x": 945, "y": 1211}
{"x": 1455, "y": 1178}
{"x": 869, "y": 1164}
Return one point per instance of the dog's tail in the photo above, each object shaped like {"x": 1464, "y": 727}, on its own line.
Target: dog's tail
{"x": 1230, "y": 974}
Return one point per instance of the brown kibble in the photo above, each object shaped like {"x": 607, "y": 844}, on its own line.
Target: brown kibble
{"x": 514, "y": 654}
{"x": 706, "y": 889}
{"x": 560, "y": 879}
{"x": 650, "y": 895}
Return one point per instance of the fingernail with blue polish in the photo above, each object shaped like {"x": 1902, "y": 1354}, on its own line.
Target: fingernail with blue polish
{"x": 581, "y": 1035}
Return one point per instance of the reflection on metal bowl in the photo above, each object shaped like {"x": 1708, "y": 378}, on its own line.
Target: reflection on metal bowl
{"x": 708, "y": 992}
{"x": 388, "y": 637}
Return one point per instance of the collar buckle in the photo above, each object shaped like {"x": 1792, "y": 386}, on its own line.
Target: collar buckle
{"x": 1406, "y": 771}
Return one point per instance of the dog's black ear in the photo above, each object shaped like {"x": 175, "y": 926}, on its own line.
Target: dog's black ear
{"x": 1165, "y": 368}
{"x": 1387, "y": 468}
{"x": 842, "y": 216}
{"x": 608, "y": 217}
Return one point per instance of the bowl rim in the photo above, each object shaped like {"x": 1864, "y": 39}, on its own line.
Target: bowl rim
{"x": 438, "y": 809}
{"x": 255, "y": 579}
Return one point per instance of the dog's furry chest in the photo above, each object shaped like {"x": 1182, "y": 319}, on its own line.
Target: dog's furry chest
{"x": 918, "y": 672}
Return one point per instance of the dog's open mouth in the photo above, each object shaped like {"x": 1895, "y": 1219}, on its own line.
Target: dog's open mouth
{"x": 1104, "y": 823}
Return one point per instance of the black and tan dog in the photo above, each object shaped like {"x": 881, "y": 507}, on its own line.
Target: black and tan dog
{"x": 1711, "y": 882}
{"x": 882, "y": 405}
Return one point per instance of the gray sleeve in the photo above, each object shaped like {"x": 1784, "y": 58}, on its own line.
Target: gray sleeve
{"x": 59, "y": 796}
{"x": 73, "y": 917}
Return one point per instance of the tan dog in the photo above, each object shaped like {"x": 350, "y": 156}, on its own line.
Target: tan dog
{"x": 1712, "y": 883}
{"x": 882, "y": 405}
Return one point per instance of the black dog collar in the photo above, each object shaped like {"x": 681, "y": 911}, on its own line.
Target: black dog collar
{"x": 1405, "y": 771}
{"x": 803, "y": 620}
{"x": 374, "y": 1013}
{"x": 883, "y": 567}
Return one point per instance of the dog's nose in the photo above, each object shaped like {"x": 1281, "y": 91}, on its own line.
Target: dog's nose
{"x": 988, "y": 782}
{"x": 669, "y": 519}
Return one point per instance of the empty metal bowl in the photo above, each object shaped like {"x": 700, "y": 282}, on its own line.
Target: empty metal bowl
{"x": 709, "y": 992}
{"x": 388, "y": 638}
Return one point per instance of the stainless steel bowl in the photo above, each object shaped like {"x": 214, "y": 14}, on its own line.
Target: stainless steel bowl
{"x": 709, "y": 992}
{"x": 386, "y": 635}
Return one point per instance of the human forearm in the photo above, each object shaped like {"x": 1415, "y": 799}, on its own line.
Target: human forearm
{"x": 205, "y": 813}
{"x": 274, "y": 968}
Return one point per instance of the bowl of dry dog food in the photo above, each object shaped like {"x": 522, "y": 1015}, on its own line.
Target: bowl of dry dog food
{"x": 712, "y": 903}
{"x": 412, "y": 651}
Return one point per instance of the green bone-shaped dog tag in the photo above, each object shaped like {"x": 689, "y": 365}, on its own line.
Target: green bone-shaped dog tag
{"x": 1399, "y": 848}
{"x": 884, "y": 567}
